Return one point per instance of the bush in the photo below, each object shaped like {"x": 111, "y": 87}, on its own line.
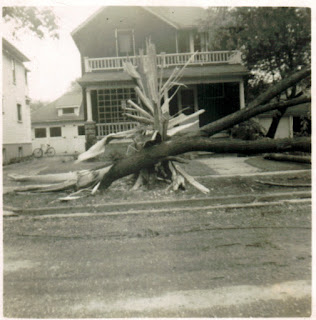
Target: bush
{"x": 248, "y": 130}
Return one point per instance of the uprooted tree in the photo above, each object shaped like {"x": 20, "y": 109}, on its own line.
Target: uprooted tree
{"x": 159, "y": 139}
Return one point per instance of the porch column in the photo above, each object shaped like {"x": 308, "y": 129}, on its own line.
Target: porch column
{"x": 89, "y": 105}
{"x": 90, "y": 125}
{"x": 241, "y": 94}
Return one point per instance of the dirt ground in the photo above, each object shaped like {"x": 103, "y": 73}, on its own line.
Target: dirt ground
{"x": 185, "y": 260}
{"x": 232, "y": 262}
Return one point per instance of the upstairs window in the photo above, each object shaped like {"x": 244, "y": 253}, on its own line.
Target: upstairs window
{"x": 55, "y": 132}
{"x": 125, "y": 44}
{"x": 19, "y": 112}
{"x": 13, "y": 67}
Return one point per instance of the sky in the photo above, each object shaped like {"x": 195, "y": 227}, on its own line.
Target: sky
{"x": 56, "y": 63}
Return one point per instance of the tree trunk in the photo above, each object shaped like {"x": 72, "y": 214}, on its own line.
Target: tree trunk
{"x": 275, "y": 123}
{"x": 288, "y": 157}
{"x": 148, "y": 157}
{"x": 245, "y": 114}
{"x": 278, "y": 88}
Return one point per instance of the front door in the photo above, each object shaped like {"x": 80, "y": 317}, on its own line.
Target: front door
{"x": 218, "y": 100}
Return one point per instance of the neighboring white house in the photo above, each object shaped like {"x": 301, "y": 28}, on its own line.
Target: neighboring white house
{"x": 60, "y": 124}
{"x": 291, "y": 122}
{"x": 16, "y": 119}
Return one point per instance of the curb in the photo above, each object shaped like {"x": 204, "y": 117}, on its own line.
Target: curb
{"x": 163, "y": 204}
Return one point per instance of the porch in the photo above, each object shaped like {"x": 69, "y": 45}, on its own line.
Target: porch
{"x": 165, "y": 60}
{"x": 105, "y": 106}
{"x": 104, "y": 129}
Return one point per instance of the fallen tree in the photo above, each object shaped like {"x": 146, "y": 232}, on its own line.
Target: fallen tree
{"x": 160, "y": 138}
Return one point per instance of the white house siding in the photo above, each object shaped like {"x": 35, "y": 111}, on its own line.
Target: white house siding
{"x": 284, "y": 129}
{"x": 16, "y": 134}
{"x": 69, "y": 142}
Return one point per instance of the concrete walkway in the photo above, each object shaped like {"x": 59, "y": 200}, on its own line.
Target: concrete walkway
{"x": 229, "y": 165}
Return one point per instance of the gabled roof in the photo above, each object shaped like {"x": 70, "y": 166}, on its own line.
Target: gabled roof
{"x": 49, "y": 113}
{"x": 177, "y": 17}
{"x": 14, "y": 51}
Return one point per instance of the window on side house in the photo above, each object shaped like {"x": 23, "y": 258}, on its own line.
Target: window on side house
{"x": 19, "y": 111}
{"x": 13, "y": 67}
{"x": 25, "y": 75}
{"x": 55, "y": 131}
{"x": 81, "y": 131}
{"x": 40, "y": 132}
{"x": 68, "y": 110}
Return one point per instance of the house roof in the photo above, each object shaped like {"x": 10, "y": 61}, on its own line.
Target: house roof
{"x": 14, "y": 51}
{"x": 177, "y": 17}
{"x": 217, "y": 71}
{"x": 48, "y": 113}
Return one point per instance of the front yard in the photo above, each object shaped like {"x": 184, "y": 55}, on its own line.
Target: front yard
{"x": 219, "y": 185}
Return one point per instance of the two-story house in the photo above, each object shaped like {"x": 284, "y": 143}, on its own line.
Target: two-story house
{"x": 214, "y": 79}
{"x": 16, "y": 119}
{"x": 60, "y": 124}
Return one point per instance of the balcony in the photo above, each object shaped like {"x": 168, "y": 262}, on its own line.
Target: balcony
{"x": 166, "y": 60}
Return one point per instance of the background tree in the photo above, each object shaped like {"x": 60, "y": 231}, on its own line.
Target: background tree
{"x": 274, "y": 41}
{"x": 41, "y": 21}
{"x": 36, "y": 104}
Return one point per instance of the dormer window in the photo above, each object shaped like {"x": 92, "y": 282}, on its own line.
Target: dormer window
{"x": 68, "y": 110}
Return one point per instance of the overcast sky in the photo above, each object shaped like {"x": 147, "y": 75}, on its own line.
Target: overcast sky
{"x": 55, "y": 63}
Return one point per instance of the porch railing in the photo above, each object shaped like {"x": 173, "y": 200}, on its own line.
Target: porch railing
{"x": 166, "y": 60}
{"x": 104, "y": 129}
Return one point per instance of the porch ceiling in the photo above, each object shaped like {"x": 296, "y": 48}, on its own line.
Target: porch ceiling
{"x": 196, "y": 72}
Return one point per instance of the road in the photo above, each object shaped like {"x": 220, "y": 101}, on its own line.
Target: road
{"x": 201, "y": 263}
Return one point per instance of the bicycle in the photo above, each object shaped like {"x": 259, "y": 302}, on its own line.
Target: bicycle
{"x": 44, "y": 149}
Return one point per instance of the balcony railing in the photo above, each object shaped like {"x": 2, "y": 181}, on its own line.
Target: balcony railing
{"x": 104, "y": 129}
{"x": 166, "y": 60}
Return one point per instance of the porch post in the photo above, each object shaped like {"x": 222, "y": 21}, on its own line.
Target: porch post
{"x": 241, "y": 94}
{"x": 89, "y": 105}
{"x": 90, "y": 125}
